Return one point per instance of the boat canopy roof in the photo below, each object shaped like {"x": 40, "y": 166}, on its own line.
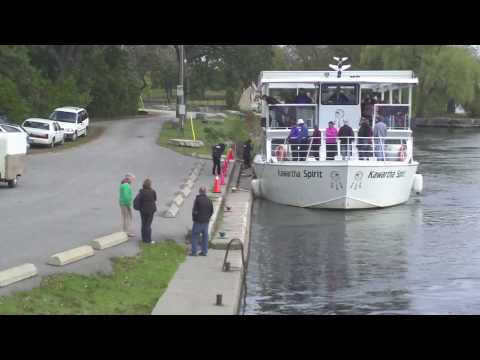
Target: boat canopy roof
{"x": 308, "y": 78}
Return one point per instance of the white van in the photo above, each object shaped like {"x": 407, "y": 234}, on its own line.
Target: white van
{"x": 13, "y": 151}
{"x": 73, "y": 120}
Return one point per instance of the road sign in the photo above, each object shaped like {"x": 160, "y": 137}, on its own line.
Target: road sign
{"x": 179, "y": 90}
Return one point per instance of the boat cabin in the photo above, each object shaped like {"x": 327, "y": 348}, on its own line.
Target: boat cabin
{"x": 320, "y": 97}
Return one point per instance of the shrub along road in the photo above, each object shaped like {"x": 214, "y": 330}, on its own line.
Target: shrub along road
{"x": 65, "y": 199}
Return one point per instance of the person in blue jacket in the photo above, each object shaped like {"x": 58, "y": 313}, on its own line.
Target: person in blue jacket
{"x": 298, "y": 137}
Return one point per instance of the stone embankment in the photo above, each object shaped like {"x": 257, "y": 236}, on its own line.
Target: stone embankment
{"x": 447, "y": 122}
{"x": 203, "y": 285}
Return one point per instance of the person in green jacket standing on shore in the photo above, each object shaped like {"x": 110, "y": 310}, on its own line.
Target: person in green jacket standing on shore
{"x": 126, "y": 197}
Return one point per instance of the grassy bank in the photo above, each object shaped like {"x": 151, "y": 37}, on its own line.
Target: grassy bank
{"x": 133, "y": 288}
{"x": 231, "y": 130}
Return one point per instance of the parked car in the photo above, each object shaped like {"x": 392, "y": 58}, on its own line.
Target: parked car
{"x": 74, "y": 120}
{"x": 11, "y": 128}
{"x": 44, "y": 132}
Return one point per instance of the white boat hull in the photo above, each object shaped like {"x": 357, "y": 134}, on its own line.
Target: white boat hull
{"x": 335, "y": 185}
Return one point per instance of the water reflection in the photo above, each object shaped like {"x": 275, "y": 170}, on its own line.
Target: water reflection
{"x": 421, "y": 257}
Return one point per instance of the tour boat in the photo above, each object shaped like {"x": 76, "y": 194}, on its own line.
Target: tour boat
{"x": 354, "y": 172}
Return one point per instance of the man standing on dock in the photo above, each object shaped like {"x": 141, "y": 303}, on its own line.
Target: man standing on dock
{"x": 201, "y": 214}
{"x": 217, "y": 151}
{"x": 247, "y": 148}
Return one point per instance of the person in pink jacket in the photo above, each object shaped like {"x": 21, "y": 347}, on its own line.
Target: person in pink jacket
{"x": 331, "y": 140}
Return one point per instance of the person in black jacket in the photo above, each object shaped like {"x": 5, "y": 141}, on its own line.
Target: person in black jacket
{"x": 346, "y": 135}
{"x": 247, "y": 148}
{"x": 148, "y": 206}
{"x": 217, "y": 152}
{"x": 201, "y": 214}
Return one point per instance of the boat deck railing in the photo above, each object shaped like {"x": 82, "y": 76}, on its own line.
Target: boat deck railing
{"x": 316, "y": 149}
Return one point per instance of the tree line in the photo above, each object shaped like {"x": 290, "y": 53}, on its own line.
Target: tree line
{"x": 109, "y": 79}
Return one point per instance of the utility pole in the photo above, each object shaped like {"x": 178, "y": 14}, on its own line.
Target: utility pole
{"x": 180, "y": 92}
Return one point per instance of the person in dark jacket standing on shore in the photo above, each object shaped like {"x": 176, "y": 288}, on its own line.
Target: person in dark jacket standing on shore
{"x": 247, "y": 148}
{"x": 147, "y": 198}
{"x": 217, "y": 152}
{"x": 201, "y": 214}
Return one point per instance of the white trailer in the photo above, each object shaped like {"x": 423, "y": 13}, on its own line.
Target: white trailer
{"x": 13, "y": 150}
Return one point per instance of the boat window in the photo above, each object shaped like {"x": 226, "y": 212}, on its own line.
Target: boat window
{"x": 339, "y": 94}
{"x": 284, "y": 96}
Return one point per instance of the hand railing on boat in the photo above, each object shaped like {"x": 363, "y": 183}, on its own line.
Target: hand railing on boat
{"x": 340, "y": 148}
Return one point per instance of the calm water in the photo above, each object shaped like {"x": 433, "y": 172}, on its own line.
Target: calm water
{"x": 422, "y": 257}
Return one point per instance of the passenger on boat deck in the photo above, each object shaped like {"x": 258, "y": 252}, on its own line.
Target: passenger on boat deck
{"x": 278, "y": 111}
{"x": 270, "y": 100}
{"x": 339, "y": 97}
{"x": 309, "y": 94}
{"x": 364, "y": 143}
{"x": 331, "y": 140}
{"x": 316, "y": 142}
{"x": 367, "y": 109}
{"x": 379, "y": 134}
{"x": 298, "y": 138}
{"x": 303, "y": 98}
{"x": 346, "y": 135}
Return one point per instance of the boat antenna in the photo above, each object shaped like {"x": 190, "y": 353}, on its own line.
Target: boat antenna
{"x": 340, "y": 65}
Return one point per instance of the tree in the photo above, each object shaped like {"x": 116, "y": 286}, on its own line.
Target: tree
{"x": 444, "y": 72}
{"x": 318, "y": 57}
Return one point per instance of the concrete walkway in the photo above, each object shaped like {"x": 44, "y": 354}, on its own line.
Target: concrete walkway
{"x": 199, "y": 280}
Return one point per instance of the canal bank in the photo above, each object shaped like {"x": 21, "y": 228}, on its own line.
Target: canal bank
{"x": 447, "y": 122}
{"x": 201, "y": 282}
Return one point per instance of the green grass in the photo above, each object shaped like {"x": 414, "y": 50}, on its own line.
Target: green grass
{"x": 232, "y": 130}
{"x": 134, "y": 287}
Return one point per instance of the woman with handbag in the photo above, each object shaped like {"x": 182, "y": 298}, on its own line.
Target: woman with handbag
{"x": 145, "y": 202}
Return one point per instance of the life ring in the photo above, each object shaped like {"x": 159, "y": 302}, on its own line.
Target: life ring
{"x": 280, "y": 153}
{"x": 402, "y": 153}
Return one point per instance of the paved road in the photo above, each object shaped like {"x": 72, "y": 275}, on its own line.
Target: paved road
{"x": 68, "y": 198}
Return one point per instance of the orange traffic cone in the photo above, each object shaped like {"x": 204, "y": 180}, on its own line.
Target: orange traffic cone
{"x": 216, "y": 185}
{"x": 230, "y": 155}
{"x": 222, "y": 178}
{"x": 225, "y": 168}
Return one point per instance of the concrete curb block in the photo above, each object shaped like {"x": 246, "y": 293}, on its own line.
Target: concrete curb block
{"x": 70, "y": 256}
{"x": 189, "y": 183}
{"x": 17, "y": 273}
{"x": 178, "y": 200}
{"x": 186, "y": 190}
{"x": 172, "y": 212}
{"x": 108, "y": 241}
{"x": 193, "y": 178}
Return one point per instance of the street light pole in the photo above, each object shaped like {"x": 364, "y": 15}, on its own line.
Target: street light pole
{"x": 180, "y": 90}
